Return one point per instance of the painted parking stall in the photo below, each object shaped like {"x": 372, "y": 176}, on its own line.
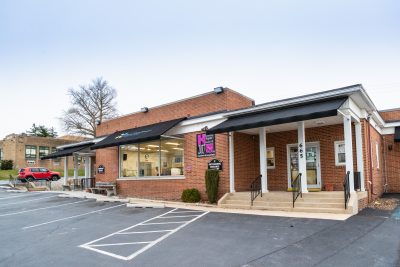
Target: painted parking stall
{"x": 130, "y": 242}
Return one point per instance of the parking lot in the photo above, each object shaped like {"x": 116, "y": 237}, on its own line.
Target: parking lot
{"x": 42, "y": 229}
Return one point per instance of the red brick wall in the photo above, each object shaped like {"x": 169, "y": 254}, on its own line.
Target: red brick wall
{"x": 377, "y": 181}
{"x": 194, "y": 167}
{"x": 210, "y": 102}
{"x": 392, "y": 163}
{"x": 247, "y": 157}
{"x": 392, "y": 115}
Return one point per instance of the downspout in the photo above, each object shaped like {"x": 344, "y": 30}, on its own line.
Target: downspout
{"x": 385, "y": 170}
{"x": 370, "y": 180}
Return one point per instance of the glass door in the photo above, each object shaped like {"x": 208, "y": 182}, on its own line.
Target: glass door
{"x": 312, "y": 163}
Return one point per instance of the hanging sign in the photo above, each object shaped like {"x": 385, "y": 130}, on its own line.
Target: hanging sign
{"x": 215, "y": 164}
{"x": 205, "y": 145}
{"x": 101, "y": 169}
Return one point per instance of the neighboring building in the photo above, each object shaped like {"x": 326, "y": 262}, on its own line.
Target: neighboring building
{"x": 25, "y": 150}
{"x": 160, "y": 151}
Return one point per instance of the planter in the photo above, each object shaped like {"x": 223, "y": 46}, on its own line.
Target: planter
{"x": 328, "y": 187}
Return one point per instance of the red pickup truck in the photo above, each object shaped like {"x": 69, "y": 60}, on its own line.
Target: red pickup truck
{"x": 38, "y": 173}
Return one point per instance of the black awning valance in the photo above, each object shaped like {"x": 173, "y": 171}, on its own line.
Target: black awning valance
{"x": 397, "y": 134}
{"x": 66, "y": 152}
{"x": 137, "y": 135}
{"x": 314, "y": 110}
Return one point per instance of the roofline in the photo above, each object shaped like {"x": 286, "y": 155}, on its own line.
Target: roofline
{"x": 299, "y": 99}
{"x": 389, "y": 110}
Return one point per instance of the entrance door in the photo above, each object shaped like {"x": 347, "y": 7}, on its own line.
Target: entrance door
{"x": 312, "y": 161}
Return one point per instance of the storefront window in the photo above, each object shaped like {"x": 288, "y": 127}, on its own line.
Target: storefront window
{"x": 152, "y": 159}
{"x": 171, "y": 157}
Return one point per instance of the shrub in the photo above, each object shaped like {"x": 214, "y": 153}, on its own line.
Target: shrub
{"x": 6, "y": 164}
{"x": 212, "y": 178}
{"x": 191, "y": 195}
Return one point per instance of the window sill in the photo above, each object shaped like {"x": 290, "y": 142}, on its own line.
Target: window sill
{"x": 151, "y": 178}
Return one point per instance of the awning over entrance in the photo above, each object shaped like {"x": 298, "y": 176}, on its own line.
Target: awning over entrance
{"x": 137, "y": 135}
{"x": 308, "y": 111}
{"x": 66, "y": 152}
{"x": 397, "y": 134}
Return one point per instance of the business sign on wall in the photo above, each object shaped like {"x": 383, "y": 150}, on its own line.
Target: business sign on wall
{"x": 205, "y": 145}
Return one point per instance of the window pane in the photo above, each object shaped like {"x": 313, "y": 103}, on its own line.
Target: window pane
{"x": 149, "y": 158}
{"x": 341, "y": 158}
{"x": 129, "y": 160}
{"x": 270, "y": 157}
{"x": 172, "y": 157}
{"x": 43, "y": 151}
{"x": 30, "y": 151}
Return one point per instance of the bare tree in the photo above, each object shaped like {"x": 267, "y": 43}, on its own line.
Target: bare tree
{"x": 91, "y": 104}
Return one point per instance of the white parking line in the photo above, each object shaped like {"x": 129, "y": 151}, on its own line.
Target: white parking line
{"x": 95, "y": 247}
{"x": 45, "y": 208}
{"x": 13, "y": 203}
{"x": 23, "y": 195}
{"x": 71, "y": 217}
{"x": 183, "y": 216}
{"x": 188, "y": 211}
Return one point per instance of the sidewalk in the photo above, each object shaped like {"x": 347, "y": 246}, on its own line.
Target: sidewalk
{"x": 146, "y": 203}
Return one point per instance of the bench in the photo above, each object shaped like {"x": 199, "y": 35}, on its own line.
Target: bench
{"x": 104, "y": 187}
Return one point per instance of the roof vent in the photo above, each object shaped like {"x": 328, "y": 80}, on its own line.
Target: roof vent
{"x": 144, "y": 109}
{"x": 219, "y": 90}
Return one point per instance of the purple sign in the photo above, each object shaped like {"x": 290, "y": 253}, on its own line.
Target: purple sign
{"x": 205, "y": 145}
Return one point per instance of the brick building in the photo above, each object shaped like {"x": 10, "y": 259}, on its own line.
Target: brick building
{"x": 323, "y": 139}
{"x": 25, "y": 150}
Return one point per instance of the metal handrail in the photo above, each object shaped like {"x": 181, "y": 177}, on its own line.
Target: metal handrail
{"x": 346, "y": 187}
{"x": 296, "y": 188}
{"x": 255, "y": 188}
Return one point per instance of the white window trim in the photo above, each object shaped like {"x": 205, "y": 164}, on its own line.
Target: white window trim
{"x": 336, "y": 145}
{"x": 377, "y": 154}
{"x": 273, "y": 150}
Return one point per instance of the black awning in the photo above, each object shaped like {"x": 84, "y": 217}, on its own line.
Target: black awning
{"x": 137, "y": 135}
{"x": 66, "y": 152}
{"x": 313, "y": 110}
{"x": 397, "y": 134}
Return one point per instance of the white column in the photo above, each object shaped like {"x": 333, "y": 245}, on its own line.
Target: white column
{"x": 231, "y": 164}
{"x": 301, "y": 136}
{"x": 75, "y": 166}
{"x": 348, "y": 149}
{"x": 360, "y": 155}
{"x": 263, "y": 158}
{"x": 87, "y": 166}
{"x": 90, "y": 167}
{"x": 65, "y": 170}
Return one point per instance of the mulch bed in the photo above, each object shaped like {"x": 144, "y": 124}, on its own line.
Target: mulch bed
{"x": 384, "y": 204}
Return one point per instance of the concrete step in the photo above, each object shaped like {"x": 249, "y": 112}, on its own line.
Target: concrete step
{"x": 322, "y": 210}
{"x": 318, "y": 205}
{"x": 235, "y": 206}
{"x": 321, "y": 200}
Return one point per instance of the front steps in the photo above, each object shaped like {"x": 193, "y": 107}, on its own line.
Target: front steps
{"x": 312, "y": 202}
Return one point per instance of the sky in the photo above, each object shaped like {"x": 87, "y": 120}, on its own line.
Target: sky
{"x": 154, "y": 52}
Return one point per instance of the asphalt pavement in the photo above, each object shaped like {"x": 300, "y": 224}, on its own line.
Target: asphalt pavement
{"x": 42, "y": 229}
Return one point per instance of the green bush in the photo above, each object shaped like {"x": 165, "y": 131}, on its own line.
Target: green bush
{"x": 6, "y": 165}
{"x": 191, "y": 195}
{"x": 212, "y": 178}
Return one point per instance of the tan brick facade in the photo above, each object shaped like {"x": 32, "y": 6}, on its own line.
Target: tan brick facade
{"x": 13, "y": 147}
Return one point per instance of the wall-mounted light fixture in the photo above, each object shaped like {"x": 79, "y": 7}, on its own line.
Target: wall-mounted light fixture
{"x": 390, "y": 147}
{"x": 144, "y": 109}
{"x": 219, "y": 90}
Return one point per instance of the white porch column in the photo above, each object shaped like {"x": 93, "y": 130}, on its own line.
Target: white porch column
{"x": 349, "y": 149}
{"x": 75, "y": 166}
{"x": 263, "y": 159}
{"x": 231, "y": 164}
{"x": 90, "y": 167}
{"x": 301, "y": 136}
{"x": 360, "y": 155}
{"x": 65, "y": 170}
{"x": 87, "y": 166}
